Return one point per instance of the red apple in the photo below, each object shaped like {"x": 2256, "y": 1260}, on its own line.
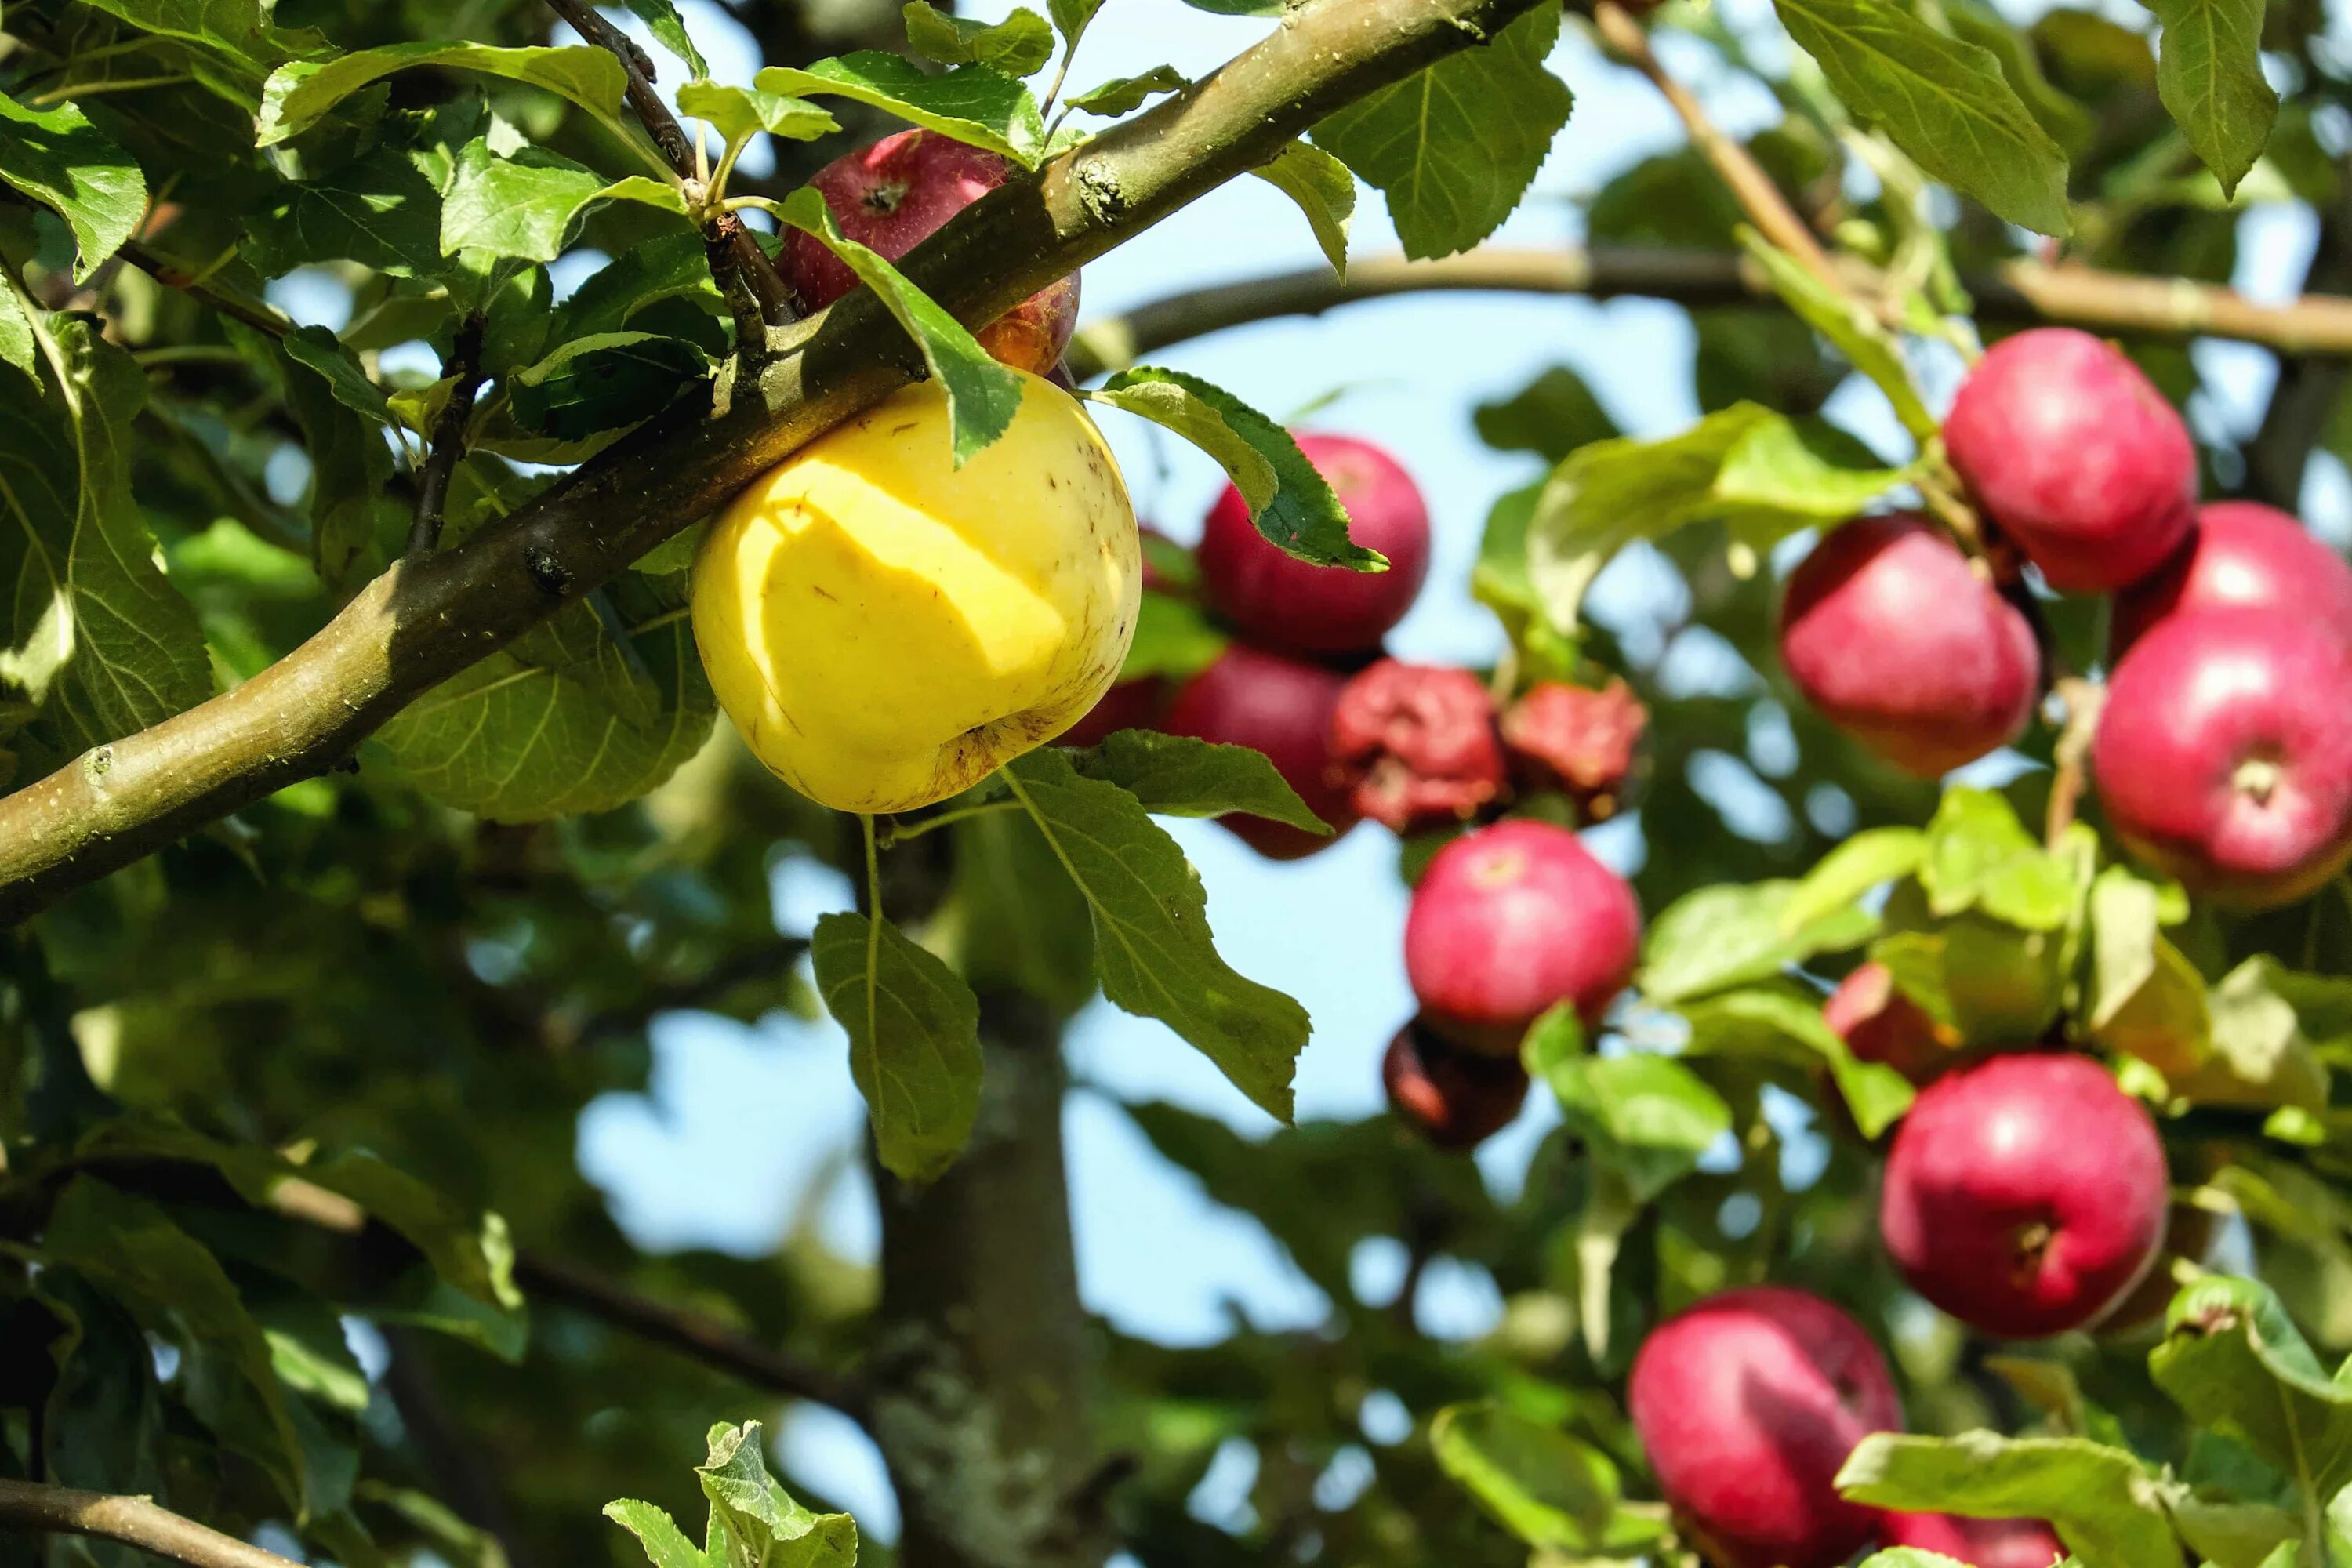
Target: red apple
{"x": 1978, "y": 1543}
{"x": 1747, "y": 1405}
{"x": 1283, "y": 602}
{"x": 2224, "y": 753}
{"x": 1417, "y": 743}
{"x": 1577, "y": 741}
{"x": 2025, "y": 1195}
{"x": 1879, "y": 1023}
{"x": 2078, "y": 460}
{"x": 1457, "y": 1099}
{"x": 1282, "y": 706}
{"x": 1130, "y": 705}
{"x": 2241, "y": 555}
{"x": 893, "y": 195}
{"x": 1510, "y": 920}
{"x": 1891, "y": 635}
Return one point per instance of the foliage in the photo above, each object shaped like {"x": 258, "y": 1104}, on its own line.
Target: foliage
{"x": 292, "y": 1231}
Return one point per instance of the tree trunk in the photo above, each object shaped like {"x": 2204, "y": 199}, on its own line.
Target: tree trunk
{"x": 982, "y": 1366}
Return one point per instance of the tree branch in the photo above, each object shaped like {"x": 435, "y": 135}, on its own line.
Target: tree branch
{"x": 425, "y": 620}
{"x": 2018, "y": 293}
{"x": 756, "y": 294}
{"x": 464, "y": 362}
{"x": 691, "y": 1334}
{"x": 133, "y": 1520}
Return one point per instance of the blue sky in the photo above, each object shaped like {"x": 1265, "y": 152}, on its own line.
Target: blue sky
{"x": 745, "y": 1133}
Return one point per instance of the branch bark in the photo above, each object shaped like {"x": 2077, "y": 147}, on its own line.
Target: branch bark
{"x": 448, "y": 440}
{"x": 982, "y": 1374}
{"x": 2019, "y": 293}
{"x": 692, "y": 1335}
{"x": 133, "y": 1520}
{"x": 423, "y": 621}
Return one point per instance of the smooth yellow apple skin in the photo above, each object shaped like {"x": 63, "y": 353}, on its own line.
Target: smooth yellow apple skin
{"x": 885, "y": 629}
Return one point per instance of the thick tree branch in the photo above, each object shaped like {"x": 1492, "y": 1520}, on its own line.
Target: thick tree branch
{"x": 698, "y": 1338}
{"x": 425, "y": 620}
{"x": 133, "y": 1520}
{"x": 755, "y": 292}
{"x": 2019, "y": 293}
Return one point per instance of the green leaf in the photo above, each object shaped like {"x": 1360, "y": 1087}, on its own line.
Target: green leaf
{"x": 1153, "y": 948}
{"x": 1991, "y": 982}
{"x": 1124, "y": 94}
{"x": 354, "y": 523}
{"x": 1944, "y": 102}
{"x": 379, "y": 210}
{"x": 1551, "y": 416}
{"x": 914, "y": 1040}
{"x": 235, "y": 41}
{"x": 1017, "y": 920}
{"x": 759, "y": 1523}
{"x": 604, "y": 381}
{"x": 1324, "y": 190}
{"x": 1784, "y": 473}
{"x": 1649, "y": 1117}
{"x": 1177, "y": 775}
{"x": 2210, "y": 75}
{"x": 1300, "y": 514}
{"x": 347, "y": 381}
{"x": 668, "y": 266}
{"x": 1869, "y": 347}
{"x": 2146, "y": 999}
{"x": 1979, "y": 856}
{"x": 17, "y": 344}
{"x": 60, "y": 160}
{"x": 297, "y": 95}
{"x": 2104, "y": 1505}
{"x": 668, "y": 28}
{"x": 90, "y": 631}
{"x": 1721, "y": 937}
{"x": 658, "y": 1533}
{"x": 982, "y": 395}
{"x": 1454, "y": 146}
{"x": 1071, "y": 19}
{"x": 1605, "y": 496}
{"x": 104, "y": 1423}
{"x": 1018, "y": 45}
{"x": 1910, "y": 1557}
{"x": 971, "y": 103}
{"x": 2232, "y": 1359}
{"x": 1785, "y": 1027}
{"x": 1238, "y": 8}
{"x": 737, "y": 112}
{"x": 522, "y": 206}
{"x": 1543, "y": 1486}
{"x": 1869, "y": 859}
{"x": 2262, "y": 1054}
{"x": 1173, "y": 638}
{"x": 177, "y": 1289}
{"x": 521, "y": 742}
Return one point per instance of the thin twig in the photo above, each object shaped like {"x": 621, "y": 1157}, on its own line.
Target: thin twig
{"x": 1766, "y": 207}
{"x": 463, "y": 363}
{"x": 260, "y": 317}
{"x": 133, "y": 1520}
{"x": 698, "y": 1338}
{"x": 755, "y": 290}
{"x": 898, "y": 833}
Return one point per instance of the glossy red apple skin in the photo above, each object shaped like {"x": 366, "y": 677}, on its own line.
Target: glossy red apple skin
{"x": 1978, "y": 1543}
{"x": 1510, "y": 920}
{"x": 1892, "y": 637}
{"x": 2224, "y": 754}
{"x": 896, "y": 194}
{"x": 1879, "y": 1023}
{"x": 2076, "y": 456}
{"x": 2025, "y": 1195}
{"x": 1281, "y": 706}
{"x": 1283, "y": 602}
{"x": 2241, "y": 555}
{"x": 1457, "y": 1099}
{"x": 1747, "y": 1405}
{"x": 1418, "y": 745}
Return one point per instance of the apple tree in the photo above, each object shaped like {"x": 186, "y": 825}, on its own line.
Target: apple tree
{"x": 1936, "y": 1047}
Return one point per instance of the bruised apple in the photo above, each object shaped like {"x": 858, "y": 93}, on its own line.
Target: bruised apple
{"x": 885, "y": 628}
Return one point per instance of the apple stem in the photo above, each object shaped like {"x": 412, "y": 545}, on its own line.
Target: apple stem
{"x": 2257, "y": 778}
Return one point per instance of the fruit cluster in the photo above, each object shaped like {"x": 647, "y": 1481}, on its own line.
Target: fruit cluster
{"x": 1510, "y": 919}
{"x": 2223, "y": 750}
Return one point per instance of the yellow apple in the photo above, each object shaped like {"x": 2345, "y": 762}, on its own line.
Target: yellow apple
{"x": 885, "y": 628}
